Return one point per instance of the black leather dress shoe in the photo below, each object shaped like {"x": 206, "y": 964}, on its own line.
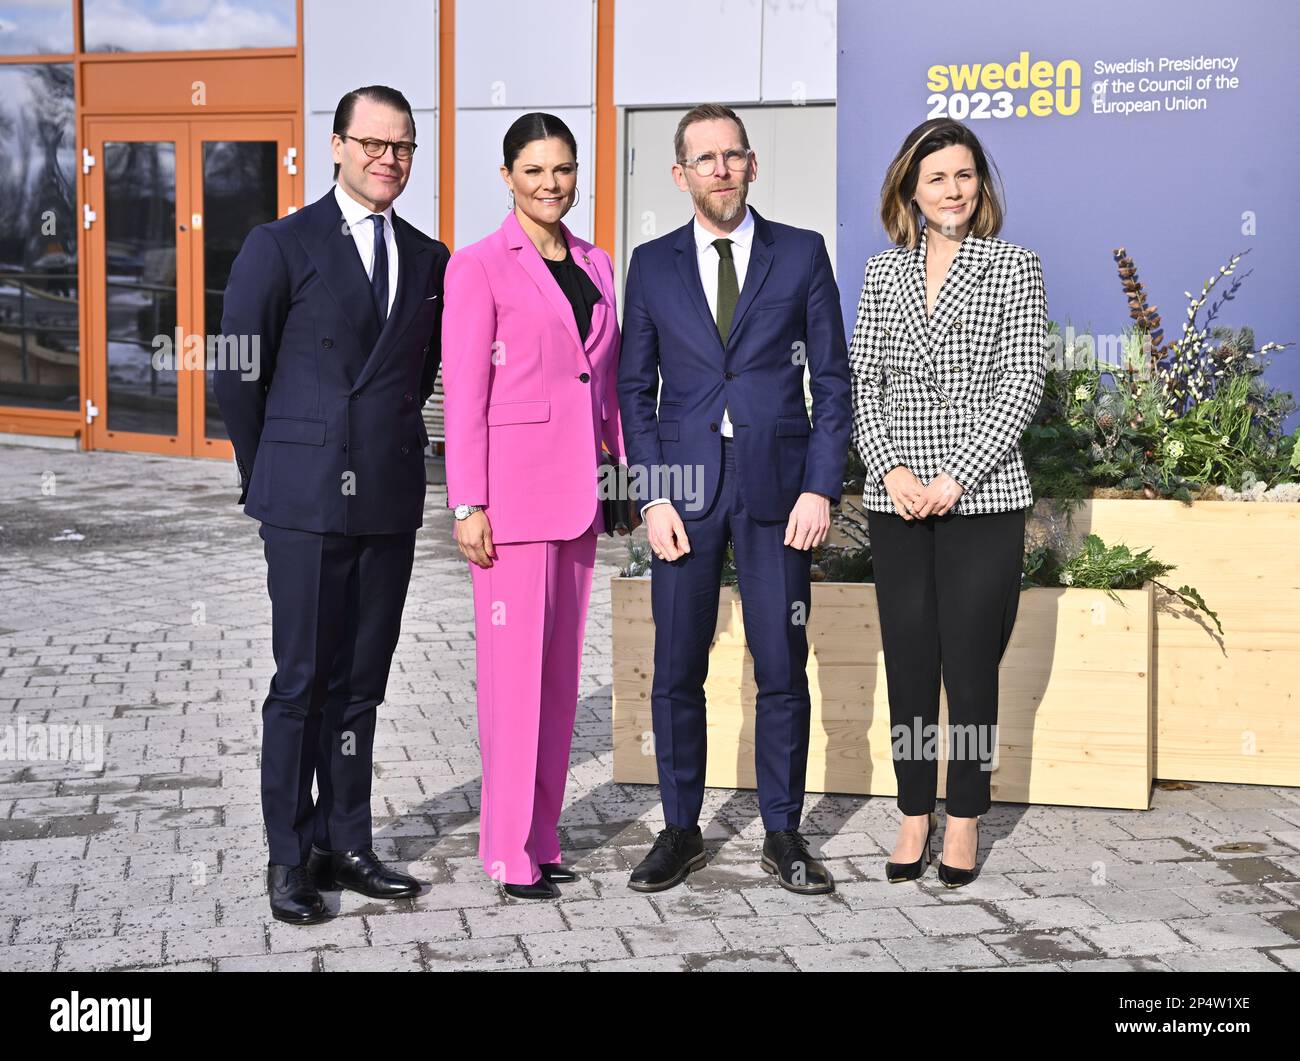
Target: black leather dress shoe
{"x": 785, "y": 853}
{"x": 954, "y": 877}
{"x": 901, "y": 871}
{"x": 675, "y": 853}
{"x": 539, "y": 889}
{"x": 556, "y": 873}
{"x": 360, "y": 871}
{"x": 294, "y": 898}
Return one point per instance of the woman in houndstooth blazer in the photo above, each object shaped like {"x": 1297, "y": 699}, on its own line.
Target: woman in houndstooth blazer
{"x": 949, "y": 360}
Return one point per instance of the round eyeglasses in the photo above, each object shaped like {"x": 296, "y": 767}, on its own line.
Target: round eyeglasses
{"x": 402, "y": 149}
{"x": 706, "y": 165}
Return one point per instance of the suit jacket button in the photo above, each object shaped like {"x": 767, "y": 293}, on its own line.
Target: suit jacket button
{"x": 353, "y": 397}
{"x": 728, "y": 375}
{"x": 408, "y": 397}
{"x": 584, "y": 377}
{"x": 713, "y": 427}
{"x": 406, "y": 449}
{"x": 956, "y": 325}
{"x": 345, "y": 445}
{"x": 327, "y": 342}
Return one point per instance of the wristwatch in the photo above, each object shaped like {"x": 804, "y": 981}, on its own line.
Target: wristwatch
{"x": 463, "y": 511}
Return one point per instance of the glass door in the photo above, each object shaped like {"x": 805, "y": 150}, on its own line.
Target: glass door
{"x": 137, "y": 248}
{"x": 242, "y": 169}
{"x": 169, "y": 206}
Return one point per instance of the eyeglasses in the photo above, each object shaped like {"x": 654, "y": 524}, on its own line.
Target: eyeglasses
{"x": 402, "y": 149}
{"x": 705, "y": 165}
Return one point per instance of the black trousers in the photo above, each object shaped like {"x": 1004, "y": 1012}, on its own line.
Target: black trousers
{"x": 336, "y": 612}
{"x": 947, "y": 588}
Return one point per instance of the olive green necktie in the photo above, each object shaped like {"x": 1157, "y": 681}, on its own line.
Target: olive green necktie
{"x": 728, "y": 289}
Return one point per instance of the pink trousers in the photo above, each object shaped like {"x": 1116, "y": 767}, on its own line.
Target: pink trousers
{"x": 530, "y": 612}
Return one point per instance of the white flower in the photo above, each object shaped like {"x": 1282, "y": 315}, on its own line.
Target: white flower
{"x": 1174, "y": 448}
{"x": 1067, "y": 578}
{"x": 1081, "y": 393}
{"x": 1223, "y": 441}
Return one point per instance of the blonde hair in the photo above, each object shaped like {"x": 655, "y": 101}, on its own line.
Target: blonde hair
{"x": 901, "y": 216}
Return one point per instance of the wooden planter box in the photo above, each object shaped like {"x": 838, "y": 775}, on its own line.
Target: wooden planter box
{"x": 1225, "y": 706}
{"x": 1074, "y": 723}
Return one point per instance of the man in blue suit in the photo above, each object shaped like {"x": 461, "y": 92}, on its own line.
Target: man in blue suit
{"x": 729, "y": 310}
{"x": 342, "y": 302}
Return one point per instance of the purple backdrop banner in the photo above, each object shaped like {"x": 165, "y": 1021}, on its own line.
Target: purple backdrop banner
{"x": 1168, "y": 127}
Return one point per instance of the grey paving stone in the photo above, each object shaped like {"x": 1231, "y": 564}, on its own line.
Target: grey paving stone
{"x": 575, "y": 945}
{"x": 843, "y": 957}
{"x": 157, "y": 861}
{"x": 28, "y": 958}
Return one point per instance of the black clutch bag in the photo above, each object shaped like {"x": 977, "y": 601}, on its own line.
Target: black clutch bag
{"x": 616, "y": 509}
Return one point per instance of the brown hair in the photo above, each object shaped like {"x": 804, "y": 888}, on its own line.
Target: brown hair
{"x": 389, "y": 97}
{"x": 705, "y": 112}
{"x": 901, "y": 216}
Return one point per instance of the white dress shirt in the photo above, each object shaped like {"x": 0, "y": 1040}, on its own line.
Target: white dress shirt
{"x": 706, "y": 257}
{"x": 357, "y": 217}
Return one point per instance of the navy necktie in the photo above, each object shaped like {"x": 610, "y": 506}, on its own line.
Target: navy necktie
{"x": 379, "y": 271}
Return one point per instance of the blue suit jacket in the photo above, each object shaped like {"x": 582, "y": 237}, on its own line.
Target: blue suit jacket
{"x": 328, "y": 435}
{"x": 788, "y": 315}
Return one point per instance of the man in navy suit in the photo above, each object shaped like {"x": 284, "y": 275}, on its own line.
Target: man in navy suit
{"x": 729, "y": 310}
{"x": 343, "y": 300}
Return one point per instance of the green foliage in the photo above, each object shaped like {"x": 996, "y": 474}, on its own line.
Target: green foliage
{"x": 1097, "y": 566}
{"x": 1165, "y": 423}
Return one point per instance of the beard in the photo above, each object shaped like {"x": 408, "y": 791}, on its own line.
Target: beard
{"x": 720, "y": 213}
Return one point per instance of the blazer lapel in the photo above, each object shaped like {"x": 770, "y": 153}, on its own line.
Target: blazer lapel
{"x": 530, "y": 260}
{"x": 333, "y": 252}
{"x": 760, "y": 261}
{"x": 962, "y": 280}
{"x": 601, "y": 309}
{"x": 413, "y": 261}
{"x": 910, "y": 274}
{"x": 688, "y": 268}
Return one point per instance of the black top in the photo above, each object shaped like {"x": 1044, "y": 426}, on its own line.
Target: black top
{"x": 578, "y": 288}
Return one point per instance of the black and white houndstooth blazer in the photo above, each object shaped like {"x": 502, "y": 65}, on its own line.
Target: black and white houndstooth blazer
{"x": 953, "y": 392}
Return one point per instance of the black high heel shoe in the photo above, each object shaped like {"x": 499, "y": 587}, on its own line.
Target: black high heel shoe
{"x": 539, "y": 889}
{"x": 901, "y": 871}
{"x": 950, "y": 876}
{"x": 557, "y": 873}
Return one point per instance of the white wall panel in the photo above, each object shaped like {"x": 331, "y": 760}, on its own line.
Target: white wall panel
{"x": 799, "y": 50}
{"x": 524, "y": 55}
{"x": 482, "y": 196}
{"x": 686, "y": 51}
{"x": 392, "y": 42}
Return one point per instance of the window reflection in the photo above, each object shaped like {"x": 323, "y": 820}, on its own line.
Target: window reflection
{"x": 240, "y": 190}
{"x": 39, "y": 335}
{"x": 140, "y": 292}
{"x": 36, "y": 27}
{"x": 166, "y": 26}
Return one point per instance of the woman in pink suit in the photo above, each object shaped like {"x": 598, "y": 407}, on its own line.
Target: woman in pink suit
{"x": 530, "y": 347}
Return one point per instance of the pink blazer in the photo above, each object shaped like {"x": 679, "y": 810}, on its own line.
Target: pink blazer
{"x": 527, "y": 402}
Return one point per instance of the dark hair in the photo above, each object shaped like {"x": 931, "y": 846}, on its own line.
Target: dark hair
{"x": 390, "y": 97}
{"x": 536, "y": 125}
{"x": 900, "y": 216}
{"x": 705, "y": 112}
